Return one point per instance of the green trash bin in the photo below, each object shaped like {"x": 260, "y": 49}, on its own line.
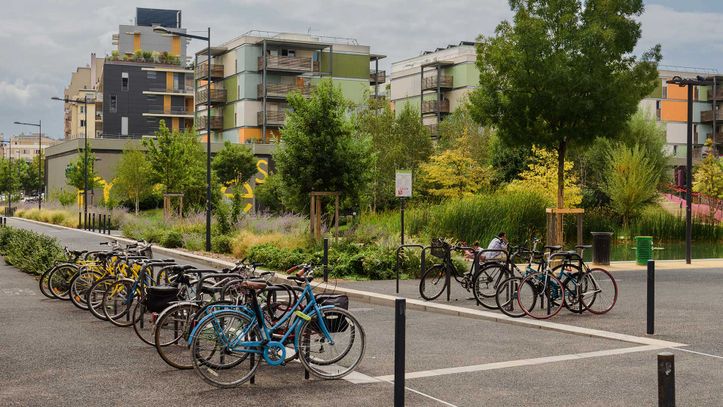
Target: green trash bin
{"x": 644, "y": 248}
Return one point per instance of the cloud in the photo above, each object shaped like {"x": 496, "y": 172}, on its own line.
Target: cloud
{"x": 21, "y": 93}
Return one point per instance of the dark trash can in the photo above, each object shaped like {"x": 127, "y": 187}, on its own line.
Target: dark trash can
{"x": 602, "y": 246}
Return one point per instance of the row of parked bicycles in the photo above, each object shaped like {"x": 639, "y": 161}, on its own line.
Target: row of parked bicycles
{"x": 522, "y": 280}
{"x": 222, "y": 324}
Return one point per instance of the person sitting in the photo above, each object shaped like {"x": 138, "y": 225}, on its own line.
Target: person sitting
{"x": 499, "y": 242}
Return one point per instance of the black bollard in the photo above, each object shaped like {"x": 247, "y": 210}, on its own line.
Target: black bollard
{"x": 80, "y": 223}
{"x": 92, "y": 222}
{"x": 400, "y": 305}
{"x": 651, "y": 298}
{"x": 666, "y": 379}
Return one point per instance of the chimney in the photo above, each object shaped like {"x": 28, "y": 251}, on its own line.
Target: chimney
{"x": 93, "y": 72}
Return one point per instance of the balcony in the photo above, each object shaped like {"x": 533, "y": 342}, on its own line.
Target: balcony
{"x": 217, "y": 96}
{"x": 282, "y": 90}
{"x": 288, "y": 64}
{"x": 98, "y": 116}
{"x": 178, "y": 112}
{"x": 184, "y": 91}
{"x": 430, "y": 83}
{"x": 216, "y": 122}
{"x": 718, "y": 94}
{"x": 377, "y": 77}
{"x": 202, "y": 71}
{"x": 273, "y": 118}
{"x": 435, "y": 106}
{"x": 708, "y": 115}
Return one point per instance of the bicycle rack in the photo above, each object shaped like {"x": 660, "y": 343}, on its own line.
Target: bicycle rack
{"x": 399, "y": 250}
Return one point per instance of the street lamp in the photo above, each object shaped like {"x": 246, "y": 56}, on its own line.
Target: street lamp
{"x": 10, "y": 172}
{"x": 85, "y": 102}
{"x": 164, "y": 30}
{"x": 689, "y": 82}
{"x": 39, "y": 125}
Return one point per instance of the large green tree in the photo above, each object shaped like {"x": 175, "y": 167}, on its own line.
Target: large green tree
{"x": 133, "y": 176}
{"x": 319, "y": 151}
{"x": 234, "y": 165}
{"x": 562, "y": 73}
{"x": 75, "y": 172}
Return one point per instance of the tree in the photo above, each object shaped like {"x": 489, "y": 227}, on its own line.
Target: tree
{"x": 541, "y": 177}
{"x": 399, "y": 142}
{"x": 10, "y": 179}
{"x": 234, "y": 164}
{"x": 460, "y": 130}
{"x": 631, "y": 181}
{"x": 318, "y": 151}
{"x": 562, "y": 73}
{"x": 708, "y": 179}
{"x": 133, "y": 176}
{"x": 453, "y": 174}
{"x": 75, "y": 172}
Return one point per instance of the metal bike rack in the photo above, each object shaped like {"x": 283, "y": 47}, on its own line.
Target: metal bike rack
{"x": 399, "y": 250}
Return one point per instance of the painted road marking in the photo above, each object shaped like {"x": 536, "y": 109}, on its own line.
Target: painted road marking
{"x": 16, "y": 291}
{"x": 698, "y": 353}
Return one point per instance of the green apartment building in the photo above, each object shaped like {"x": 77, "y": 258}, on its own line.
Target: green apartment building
{"x": 251, "y": 75}
{"x": 435, "y": 83}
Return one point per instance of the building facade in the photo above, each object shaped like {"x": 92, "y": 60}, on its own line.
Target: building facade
{"x": 436, "y": 82}
{"x": 252, "y": 74}
{"x": 25, "y": 146}
{"x": 83, "y": 84}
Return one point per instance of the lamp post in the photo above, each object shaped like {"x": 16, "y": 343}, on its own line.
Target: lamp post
{"x": 85, "y": 102}
{"x": 10, "y": 172}
{"x": 164, "y": 30}
{"x": 39, "y": 125}
{"x": 690, "y": 82}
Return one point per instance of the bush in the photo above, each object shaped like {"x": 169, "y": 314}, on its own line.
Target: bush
{"x": 172, "y": 239}
{"x": 29, "y": 251}
{"x": 221, "y": 244}
{"x": 276, "y": 258}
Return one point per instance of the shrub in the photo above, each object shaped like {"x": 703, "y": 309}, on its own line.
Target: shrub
{"x": 276, "y": 258}
{"x": 221, "y": 244}
{"x": 172, "y": 239}
{"x": 29, "y": 251}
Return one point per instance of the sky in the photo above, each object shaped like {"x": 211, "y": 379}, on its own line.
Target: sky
{"x": 42, "y": 42}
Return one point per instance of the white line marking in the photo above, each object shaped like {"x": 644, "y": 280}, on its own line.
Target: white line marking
{"x": 422, "y": 394}
{"x": 698, "y": 353}
{"x": 522, "y": 362}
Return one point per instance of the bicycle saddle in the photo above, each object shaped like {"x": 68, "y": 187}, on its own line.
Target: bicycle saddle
{"x": 555, "y": 247}
{"x": 583, "y": 246}
{"x": 253, "y": 285}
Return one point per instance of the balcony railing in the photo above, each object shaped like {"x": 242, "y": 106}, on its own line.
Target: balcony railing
{"x": 434, "y": 106}
{"x": 282, "y": 90}
{"x": 98, "y": 117}
{"x": 282, "y": 63}
{"x": 445, "y": 81}
{"x": 718, "y": 94}
{"x": 274, "y": 118}
{"x": 183, "y": 90}
{"x": 216, "y": 122}
{"x": 377, "y": 77}
{"x": 171, "y": 112}
{"x": 217, "y": 96}
{"x": 202, "y": 71}
{"x": 708, "y": 115}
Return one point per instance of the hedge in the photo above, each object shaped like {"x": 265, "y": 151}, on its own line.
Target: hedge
{"x": 29, "y": 251}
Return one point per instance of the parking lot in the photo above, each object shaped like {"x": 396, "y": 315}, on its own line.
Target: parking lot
{"x": 54, "y": 353}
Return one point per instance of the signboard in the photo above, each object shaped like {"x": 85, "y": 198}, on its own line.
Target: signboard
{"x": 403, "y": 184}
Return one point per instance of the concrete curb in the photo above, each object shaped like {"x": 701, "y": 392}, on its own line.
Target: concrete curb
{"x": 415, "y": 304}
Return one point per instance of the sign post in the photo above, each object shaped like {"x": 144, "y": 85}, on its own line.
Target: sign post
{"x": 403, "y": 189}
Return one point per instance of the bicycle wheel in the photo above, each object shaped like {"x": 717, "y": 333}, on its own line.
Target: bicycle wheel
{"x": 570, "y": 277}
{"x": 214, "y": 358}
{"x": 336, "y": 356}
{"x": 59, "y": 281}
{"x": 171, "y": 335}
{"x": 144, "y": 323}
{"x": 79, "y": 286}
{"x": 506, "y": 297}
{"x": 44, "y": 281}
{"x": 541, "y": 295}
{"x": 484, "y": 285}
{"x": 94, "y": 297}
{"x": 601, "y": 289}
{"x": 118, "y": 301}
{"x": 433, "y": 282}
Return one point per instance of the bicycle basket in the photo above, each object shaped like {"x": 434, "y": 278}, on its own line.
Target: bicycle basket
{"x": 159, "y": 298}
{"x": 439, "y": 248}
{"x": 335, "y": 322}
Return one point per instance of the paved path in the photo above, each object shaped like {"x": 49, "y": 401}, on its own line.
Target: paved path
{"x": 54, "y": 354}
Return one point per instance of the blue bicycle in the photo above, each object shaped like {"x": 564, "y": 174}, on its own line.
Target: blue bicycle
{"x": 228, "y": 344}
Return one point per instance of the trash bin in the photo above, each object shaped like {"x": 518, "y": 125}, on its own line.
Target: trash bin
{"x": 601, "y": 247}
{"x": 644, "y": 249}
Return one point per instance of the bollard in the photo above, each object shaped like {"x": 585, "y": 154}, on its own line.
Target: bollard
{"x": 80, "y": 224}
{"x": 666, "y": 379}
{"x": 325, "y": 260}
{"x": 92, "y": 222}
{"x": 104, "y": 226}
{"x": 400, "y": 305}
{"x": 651, "y": 298}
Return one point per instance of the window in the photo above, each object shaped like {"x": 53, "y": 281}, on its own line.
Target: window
{"x": 113, "y": 104}
{"x": 235, "y": 64}
{"x": 82, "y": 123}
{"x": 288, "y": 52}
{"x": 124, "y": 82}
{"x": 151, "y": 75}
{"x": 124, "y": 126}
{"x": 82, "y": 109}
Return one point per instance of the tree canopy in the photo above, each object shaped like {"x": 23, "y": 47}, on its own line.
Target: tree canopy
{"x": 562, "y": 72}
{"x": 133, "y": 176}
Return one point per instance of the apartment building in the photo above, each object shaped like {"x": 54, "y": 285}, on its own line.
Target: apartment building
{"x": 251, "y": 76}
{"x": 435, "y": 83}
{"x": 25, "y": 146}
{"x": 83, "y": 83}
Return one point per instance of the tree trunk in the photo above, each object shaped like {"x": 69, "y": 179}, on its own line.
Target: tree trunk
{"x": 137, "y": 204}
{"x": 561, "y": 149}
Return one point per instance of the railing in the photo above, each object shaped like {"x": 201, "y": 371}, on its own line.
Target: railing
{"x": 217, "y": 96}
{"x": 216, "y": 122}
{"x": 445, "y": 81}
{"x": 377, "y": 76}
{"x": 98, "y": 117}
{"x": 718, "y": 94}
{"x": 281, "y": 90}
{"x": 434, "y": 106}
{"x": 172, "y": 112}
{"x": 202, "y": 70}
{"x": 272, "y": 117}
{"x": 282, "y": 63}
{"x": 708, "y": 115}
{"x": 186, "y": 90}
